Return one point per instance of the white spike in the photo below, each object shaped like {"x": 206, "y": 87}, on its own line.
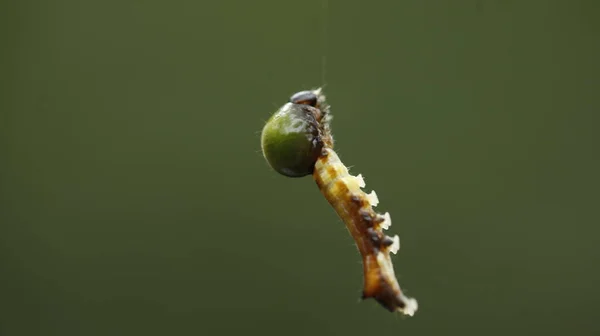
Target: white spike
{"x": 387, "y": 221}
{"x": 360, "y": 180}
{"x": 373, "y": 199}
{"x": 395, "y": 245}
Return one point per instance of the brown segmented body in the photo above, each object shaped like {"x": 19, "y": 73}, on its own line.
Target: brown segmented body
{"x": 355, "y": 208}
{"x": 344, "y": 192}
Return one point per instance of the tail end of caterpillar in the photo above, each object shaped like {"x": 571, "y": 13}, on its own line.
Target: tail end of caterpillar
{"x": 383, "y": 289}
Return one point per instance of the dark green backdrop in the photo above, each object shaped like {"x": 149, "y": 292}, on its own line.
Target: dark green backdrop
{"x": 134, "y": 199}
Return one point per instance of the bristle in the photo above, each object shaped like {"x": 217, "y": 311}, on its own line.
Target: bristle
{"x": 360, "y": 180}
{"x": 395, "y": 245}
{"x": 387, "y": 221}
{"x": 373, "y": 199}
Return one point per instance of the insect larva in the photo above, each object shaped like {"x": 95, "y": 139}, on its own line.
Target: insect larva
{"x": 296, "y": 141}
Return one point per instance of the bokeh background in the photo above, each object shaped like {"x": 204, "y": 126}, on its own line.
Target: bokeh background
{"x": 134, "y": 199}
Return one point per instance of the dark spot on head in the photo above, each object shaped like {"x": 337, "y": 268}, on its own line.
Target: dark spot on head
{"x": 304, "y": 98}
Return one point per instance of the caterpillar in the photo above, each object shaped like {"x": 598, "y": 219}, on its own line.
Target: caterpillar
{"x": 297, "y": 141}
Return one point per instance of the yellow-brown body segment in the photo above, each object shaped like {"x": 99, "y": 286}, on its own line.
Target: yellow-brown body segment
{"x": 355, "y": 208}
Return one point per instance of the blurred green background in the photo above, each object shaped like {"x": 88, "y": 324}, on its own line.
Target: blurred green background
{"x": 135, "y": 199}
